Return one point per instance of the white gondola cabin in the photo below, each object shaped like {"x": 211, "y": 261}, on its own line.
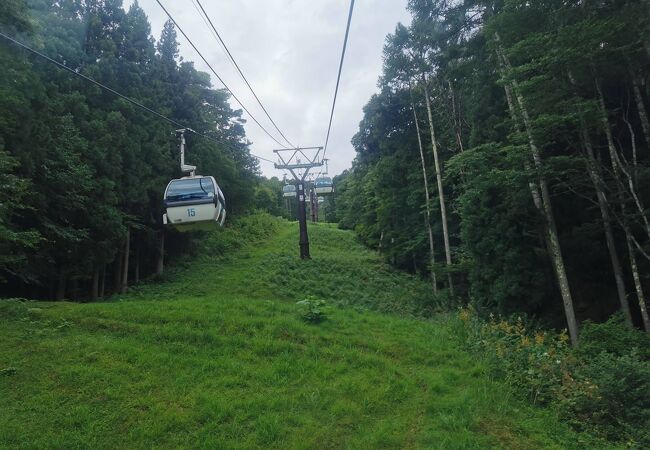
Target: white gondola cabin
{"x": 194, "y": 203}
{"x": 289, "y": 190}
{"x": 323, "y": 186}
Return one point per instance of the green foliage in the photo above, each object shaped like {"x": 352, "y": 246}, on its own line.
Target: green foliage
{"x": 11, "y": 308}
{"x": 281, "y": 274}
{"x": 313, "y": 309}
{"x": 14, "y": 243}
{"x": 79, "y": 167}
{"x": 500, "y": 230}
{"x": 13, "y": 13}
{"x": 616, "y": 401}
{"x": 8, "y": 371}
{"x": 268, "y": 197}
{"x": 240, "y": 232}
{"x": 602, "y": 386}
{"x": 613, "y": 337}
{"x": 213, "y": 358}
{"x": 568, "y": 80}
{"x": 533, "y": 361}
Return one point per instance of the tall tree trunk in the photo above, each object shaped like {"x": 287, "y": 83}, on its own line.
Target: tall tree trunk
{"x": 102, "y": 286}
{"x": 75, "y": 289}
{"x": 555, "y": 249}
{"x": 637, "y": 282}
{"x": 60, "y": 287}
{"x": 629, "y": 237}
{"x": 441, "y": 193}
{"x": 136, "y": 274}
{"x": 617, "y": 167}
{"x": 635, "y": 159}
{"x": 595, "y": 174}
{"x": 160, "y": 263}
{"x": 117, "y": 273}
{"x": 125, "y": 266}
{"x": 457, "y": 118}
{"x": 94, "y": 289}
{"x": 597, "y": 181}
{"x": 641, "y": 109}
{"x": 432, "y": 257}
{"x": 543, "y": 234}
{"x": 532, "y": 185}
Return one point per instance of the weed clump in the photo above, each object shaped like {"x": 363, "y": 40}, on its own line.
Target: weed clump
{"x": 13, "y": 308}
{"x": 312, "y": 309}
{"x": 8, "y": 371}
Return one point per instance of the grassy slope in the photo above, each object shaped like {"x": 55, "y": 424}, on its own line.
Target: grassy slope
{"x": 217, "y": 357}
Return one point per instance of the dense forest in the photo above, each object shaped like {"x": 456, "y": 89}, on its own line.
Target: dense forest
{"x": 506, "y": 156}
{"x": 82, "y": 170}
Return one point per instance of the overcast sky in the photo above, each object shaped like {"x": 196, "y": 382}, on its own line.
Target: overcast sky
{"x": 289, "y": 50}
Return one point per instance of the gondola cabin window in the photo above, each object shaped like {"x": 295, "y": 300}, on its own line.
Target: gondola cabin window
{"x": 190, "y": 189}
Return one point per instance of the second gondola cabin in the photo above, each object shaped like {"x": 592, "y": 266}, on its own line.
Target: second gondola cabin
{"x": 194, "y": 203}
{"x": 289, "y": 190}
{"x": 323, "y": 186}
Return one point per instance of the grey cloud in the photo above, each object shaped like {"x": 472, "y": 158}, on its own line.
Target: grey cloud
{"x": 289, "y": 51}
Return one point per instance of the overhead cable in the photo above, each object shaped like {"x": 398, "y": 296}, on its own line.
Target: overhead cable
{"x": 338, "y": 78}
{"x": 113, "y": 91}
{"x": 234, "y": 63}
{"x": 217, "y": 75}
{"x": 205, "y": 21}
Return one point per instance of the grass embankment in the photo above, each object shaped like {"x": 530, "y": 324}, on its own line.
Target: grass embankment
{"x": 218, "y": 357}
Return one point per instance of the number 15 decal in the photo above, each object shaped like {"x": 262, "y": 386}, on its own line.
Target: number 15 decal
{"x": 191, "y": 212}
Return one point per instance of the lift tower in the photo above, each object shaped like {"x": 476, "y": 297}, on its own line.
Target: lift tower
{"x": 298, "y": 163}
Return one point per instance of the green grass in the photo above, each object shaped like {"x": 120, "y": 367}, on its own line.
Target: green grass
{"x": 218, "y": 357}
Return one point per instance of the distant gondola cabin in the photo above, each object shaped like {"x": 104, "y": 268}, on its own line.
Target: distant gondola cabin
{"x": 289, "y": 190}
{"x": 323, "y": 186}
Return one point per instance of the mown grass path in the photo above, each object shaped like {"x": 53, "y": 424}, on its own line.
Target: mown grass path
{"x": 218, "y": 357}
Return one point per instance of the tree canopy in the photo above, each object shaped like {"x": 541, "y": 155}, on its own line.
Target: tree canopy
{"x": 83, "y": 171}
{"x": 539, "y": 119}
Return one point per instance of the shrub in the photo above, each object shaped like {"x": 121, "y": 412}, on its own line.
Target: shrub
{"x": 535, "y": 361}
{"x": 614, "y": 337}
{"x": 13, "y": 308}
{"x": 618, "y": 399}
{"x": 603, "y": 386}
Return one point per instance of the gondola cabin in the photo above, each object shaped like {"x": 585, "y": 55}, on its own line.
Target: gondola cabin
{"x": 289, "y": 190}
{"x": 194, "y": 203}
{"x": 323, "y": 186}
